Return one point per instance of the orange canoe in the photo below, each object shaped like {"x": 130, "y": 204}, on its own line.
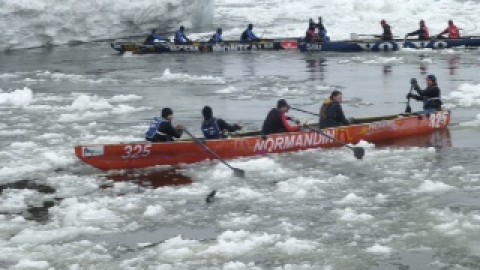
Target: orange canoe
{"x": 145, "y": 154}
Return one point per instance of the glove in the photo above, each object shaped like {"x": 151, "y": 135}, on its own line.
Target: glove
{"x": 410, "y": 95}
{"x": 296, "y": 121}
{"x": 238, "y": 127}
{"x": 413, "y": 81}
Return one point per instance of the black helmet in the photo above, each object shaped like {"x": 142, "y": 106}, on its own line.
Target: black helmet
{"x": 207, "y": 112}
{"x": 432, "y": 78}
{"x": 219, "y": 30}
{"x": 282, "y": 103}
{"x": 182, "y": 28}
{"x": 166, "y": 112}
{"x": 250, "y": 26}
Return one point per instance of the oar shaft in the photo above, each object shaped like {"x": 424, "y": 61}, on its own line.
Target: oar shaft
{"x": 208, "y": 149}
{"x": 307, "y": 112}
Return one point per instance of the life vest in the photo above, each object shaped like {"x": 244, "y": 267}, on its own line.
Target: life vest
{"x": 312, "y": 35}
{"x": 154, "y": 126}
{"x": 453, "y": 32}
{"x": 211, "y": 130}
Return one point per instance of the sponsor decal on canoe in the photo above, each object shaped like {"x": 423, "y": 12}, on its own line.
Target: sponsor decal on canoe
{"x": 292, "y": 141}
{"x": 93, "y": 151}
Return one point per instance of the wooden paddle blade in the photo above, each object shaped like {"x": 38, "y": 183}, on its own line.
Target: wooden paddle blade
{"x": 358, "y": 152}
{"x": 211, "y": 197}
{"x": 238, "y": 172}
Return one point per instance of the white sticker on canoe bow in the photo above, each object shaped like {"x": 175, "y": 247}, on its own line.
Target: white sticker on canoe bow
{"x": 93, "y": 151}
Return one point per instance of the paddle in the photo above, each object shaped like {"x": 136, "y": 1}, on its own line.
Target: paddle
{"x": 307, "y": 112}
{"x": 236, "y": 171}
{"x": 358, "y": 151}
{"x": 408, "y": 109}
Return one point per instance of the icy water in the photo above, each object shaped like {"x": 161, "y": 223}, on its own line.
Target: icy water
{"x": 410, "y": 204}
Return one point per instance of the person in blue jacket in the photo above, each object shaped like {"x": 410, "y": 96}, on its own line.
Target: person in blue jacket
{"x": 248, "y": 35}
{"x": 217, "y": 37}
{"x": 322, "y": 31}
{"x": 214, "y": 128}
{"x": 161, "y": 129}
{"x": 153, "y": 37}
{"x": 180, "y": 37}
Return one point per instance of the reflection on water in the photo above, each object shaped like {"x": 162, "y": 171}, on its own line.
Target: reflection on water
{"x": 37, "y": 210}
{"x": 316, "y": 67}
{"x": 437, "y": 139}
{"x": 453, "y": 64}
{"x": 153, "y": 178}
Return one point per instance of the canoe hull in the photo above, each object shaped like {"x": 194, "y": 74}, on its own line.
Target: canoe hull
{"x": 205, "y": 47}
{"x": 384, "y": 46}
{"x": 145, "y": 154}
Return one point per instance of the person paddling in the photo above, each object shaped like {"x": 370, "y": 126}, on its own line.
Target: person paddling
{"x": 180, "y": 37}
{"x": 217, "y": 37}
{"x": 214, "y": 128}
{"x": 452, "y": 31}
{"x": 311, "y": 35}
{"x": 153, "y": 37}
{"x": 161, "y": 129}
{"x": 322, "y": 31}
{"x": 248, "y": 35}
{"x": 331, "y": 112}
{"x": 277, "y": 120}
{"x": 430, "y": 96}
{"x": 422, "y": 32}
{"x": 387, "y": 31}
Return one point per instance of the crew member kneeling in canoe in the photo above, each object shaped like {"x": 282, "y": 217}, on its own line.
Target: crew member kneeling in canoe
{"x": 248, "y": 35}
{"x": 214, "y": 128}
{"x": 153, "y": 38}
{"x": 331, "y": 112}
{"x": 161, "y": 129}
{"x": 452, "y": 31}
{"x": 181, "y": 38}
{"x": 387, "y": 31}
{"x": 277, "y": 120}
{"x": 422, "y": 32}
{"x": 430, "y": 96}
{"x": 217, "y": 37}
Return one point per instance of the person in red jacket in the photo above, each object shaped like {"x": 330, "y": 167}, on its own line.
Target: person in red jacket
{"x": 277, "y": 120}
{"x": 452, "y": 31}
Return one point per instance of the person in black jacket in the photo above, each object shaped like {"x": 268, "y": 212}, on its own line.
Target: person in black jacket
{"x": 277, "y": 120}
{"x": 161, "y": 129}
{"x": 214, "y": 128}
{"x": 387, "y": 31}
{"x": 422, "y": 32}
{"x": 331, "y": 113}
{"x": 430, "y": 96}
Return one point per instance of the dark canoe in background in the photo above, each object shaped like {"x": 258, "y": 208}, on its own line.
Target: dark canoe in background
{"x": 376, "y": 45}
{"x": 205, "y": 47}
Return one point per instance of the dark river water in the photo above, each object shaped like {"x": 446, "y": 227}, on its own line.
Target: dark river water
{"x": 410, "y": 204}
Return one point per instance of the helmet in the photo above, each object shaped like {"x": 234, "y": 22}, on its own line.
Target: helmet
{"x": 166, "y": 112}
{"x": 207, "y": 112}
{"x": 382, "y": 21}
{"x": 182, "y": 28}
{"x": 422, "y": 22}
{"x": 432, "y": 78}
